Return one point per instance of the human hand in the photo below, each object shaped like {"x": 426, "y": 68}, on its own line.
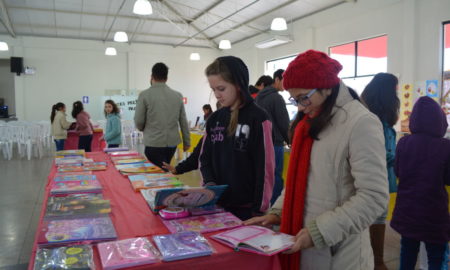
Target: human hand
{"x": 186, "y": 147}
{"x": 302, "y": 240}
{"x": 266, "y": 220}
{"x": 169, "y": 167}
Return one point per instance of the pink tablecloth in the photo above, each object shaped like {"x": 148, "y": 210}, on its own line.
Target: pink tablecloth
{"x": 72, "y": 141}
{"x": 132, "y": 218}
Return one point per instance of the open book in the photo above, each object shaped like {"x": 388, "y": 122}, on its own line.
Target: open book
{"x": 256, "y": 239}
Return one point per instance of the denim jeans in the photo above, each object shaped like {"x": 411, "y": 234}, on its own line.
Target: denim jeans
{"x": 278, "y": 185}
{"x": 60, "y": 144}
{"x": 410, "y": 249}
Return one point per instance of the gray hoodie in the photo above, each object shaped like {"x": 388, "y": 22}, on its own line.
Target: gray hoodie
{"x": 273, "y": 103}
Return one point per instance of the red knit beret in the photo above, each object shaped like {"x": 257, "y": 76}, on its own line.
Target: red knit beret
{"x": 312, "y": 69}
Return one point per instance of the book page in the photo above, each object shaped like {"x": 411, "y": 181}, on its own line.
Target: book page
{"x": 269, "y": 243}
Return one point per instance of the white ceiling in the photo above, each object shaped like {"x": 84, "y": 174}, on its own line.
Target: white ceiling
{"x": 198, "y": 23}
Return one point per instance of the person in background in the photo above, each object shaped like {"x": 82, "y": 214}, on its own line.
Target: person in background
{"x": 83, "y": 126}
{"x": 253, "y": 91}
{"x": 189, "y": 164}
{"x": 336, "y": 185}
{"x": 263, "y": 82}
{"x": 207, "y": 112}
{"x": 237, "y": 147}
{"x": 273, "y": 103}
{"x": 380, "y": 97}
{"x": 59, "y": 125}
{"x": 422, "y": 163}
{"x": 113, "y": 132}
{"x": 160, "y": 115}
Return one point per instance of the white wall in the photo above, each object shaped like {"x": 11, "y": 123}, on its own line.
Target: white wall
{"x": 67, "y": 70}
{"x": 7, "y": 85}
{"x": 414, "y": 29}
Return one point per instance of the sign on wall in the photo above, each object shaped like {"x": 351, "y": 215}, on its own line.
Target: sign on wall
{"x": 85, "y": 100}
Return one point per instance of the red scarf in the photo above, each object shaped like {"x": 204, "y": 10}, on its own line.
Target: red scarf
{"x": 295, "y": 191}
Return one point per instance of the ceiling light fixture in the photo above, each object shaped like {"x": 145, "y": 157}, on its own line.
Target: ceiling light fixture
{"x": 3, "y": 46}
{"x": 278, "y": 24}
{"x": 225, "y": 44}
{"x": 142, "y": 7}
{"x": 120, "y": 37}
{"x": 110, "y": 51}
{"x": 195, "y": 57}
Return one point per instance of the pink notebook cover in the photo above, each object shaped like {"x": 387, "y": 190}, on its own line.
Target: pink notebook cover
{"x": 203, "y": 224}
{"x": 127, "y": 253}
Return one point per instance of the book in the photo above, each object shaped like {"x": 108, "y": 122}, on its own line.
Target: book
{"x": 75, "y": 161}
{"x": 130, "y": 161}
{"x": 123, "y": 153}
{"x": 148, "y": 181}
{"x": 203, "y": 224}
{"x": 127, "y": 157}
{"x": 206, "y": 210}
{"x": 95, "y": 166}
{"x": 70, "y": 153}
{"x": 133, "y": 165}
{"x": 65, "y": 187}
{"x": 116, "y": 149}
{"x": 187, "y": 197}
{"x": 256, "y": 239}
{"x": 183, "y": 245}
{"x": 72, "y": 208}
{"x": 75, "y": 197}
{"x": 71, "y": 257}
{"x": 64, "y": 231}
{"x": 127, "y": 253}
{"x": 138, "y": 170}
{"x": 60, "y": 174}
{"x": 70, "y": 168}
{"x": 75, "y": 177}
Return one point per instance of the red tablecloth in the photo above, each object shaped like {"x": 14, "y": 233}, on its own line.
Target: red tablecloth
{"x": 132, "y": 218}
{"x": 71, "y": 142}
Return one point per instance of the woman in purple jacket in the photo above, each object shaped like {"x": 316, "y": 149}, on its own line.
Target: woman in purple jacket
{"x": 84, "y": 126}
{"x": 423, "y": 167}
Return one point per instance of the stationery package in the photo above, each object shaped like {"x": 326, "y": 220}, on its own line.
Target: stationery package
{"x": 203, "y": 224}
{"x": 173, "y": 213}
{"x": 66, "y": 187}
{"x": 70, "y": 257}
{"x": 206, "y": 210}
{"x": 127, "y": 253}
{"x": 183, "y": 245}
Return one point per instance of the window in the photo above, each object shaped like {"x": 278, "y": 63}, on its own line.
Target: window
{"x": 274, "y": 65}
{"x": 361, "y": 60}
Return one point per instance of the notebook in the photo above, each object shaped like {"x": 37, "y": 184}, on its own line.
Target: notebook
{"x": 256, "y": 239}
{"x": 182, "y": 246}
{"x": 66, "y": 187}
{"x": 127, "y": 253}
{"x": 148, "y": 181}
{"x": 186, "y": 197}
{"x": 71, "y": 257}
{"x": 203, "y": 224}
{"x": 64, "y": 231}
{"x": 72, "y": 208}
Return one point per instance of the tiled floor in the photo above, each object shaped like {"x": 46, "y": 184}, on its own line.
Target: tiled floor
{"x": 22, "y": 183}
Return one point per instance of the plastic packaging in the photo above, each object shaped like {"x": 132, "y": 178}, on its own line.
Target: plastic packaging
{"x": 173, "y": 212}
{"x": 127, "y": 253}
{"x": 71, "y": 257}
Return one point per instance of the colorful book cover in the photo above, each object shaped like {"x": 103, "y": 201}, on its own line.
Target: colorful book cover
{"x": 187, "y": 197}
{"x": 62, "y": 187}
{"x": 130, "y": 161}
{"x": 123, "y": 153}
{"x": 133, "y": 165}
{"x": 74, "y": 161}
{"x": 64, "y": 231}
{"x": 147, "y": 181}
{"x": 127, "y": 253}
{"x": 256, "y": 239}
{"x": 182, "y": 246}
{"x": 126, "y": 157}
{"x": 69, "y": 168}
{"x": 76, "y": 208}
{"x": 152, "y": 177}
{"x": 70, "y": 153}
{"x": 203, "y": 224}
{"x": 206, "y": 210}
{"x": 116, "y": 149}
{"x": 76, "y": 177}
{"x": 73, "y": 257}
{"x": 152, "y": 169}
{"x": 60, "y": 174}
{"x": 75, "y": 197}
{"x": 95, "y": 166}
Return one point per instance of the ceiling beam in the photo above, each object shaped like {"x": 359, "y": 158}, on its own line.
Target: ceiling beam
{"x": 206, "y": 10}
{"x": 254, "y": 18}
{"x": 90, "y": 14}
{"x": 172, "y": 9}
{"x": 221, "y": 20}
{"x": 114, "y": 20}
{"x": 296, "y": 19}
{"x": 5, "y": 20}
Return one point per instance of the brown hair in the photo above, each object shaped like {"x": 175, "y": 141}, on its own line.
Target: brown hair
{"x": 58, "y": 106}
{"x": 115, "y": 109}
{"x": 220, "y": 68}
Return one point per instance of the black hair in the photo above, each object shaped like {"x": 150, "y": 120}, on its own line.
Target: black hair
{"x": 265, "y": 80}
{"x": 210, "y": 111}
{"x": 115, "y": 109}
{"x": 278, "y": 74}
{"x": 160, "y": 71}
{"x": 252, "y": 90}
{"x": 77, "y": 108}
{"x": 380, "y": 97}
{"x": 58, "y": 106}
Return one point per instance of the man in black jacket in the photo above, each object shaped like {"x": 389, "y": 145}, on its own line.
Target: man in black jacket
{"x": 270, "y": 100}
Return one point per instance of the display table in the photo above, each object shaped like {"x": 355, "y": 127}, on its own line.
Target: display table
{"x": 132, "y": 218}
{"x": 96, "y": 145}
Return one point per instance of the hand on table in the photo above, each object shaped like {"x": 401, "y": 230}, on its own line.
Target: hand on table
{"x": 302, "y": 240}
{"x": 169, "y": 167}
{"x": 266, "y": 220}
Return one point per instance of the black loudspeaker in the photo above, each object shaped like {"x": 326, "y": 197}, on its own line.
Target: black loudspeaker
{"x": 4, "y": 112}
{"x": 17, "y": 65}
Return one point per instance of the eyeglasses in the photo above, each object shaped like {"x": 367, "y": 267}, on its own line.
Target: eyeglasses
{"x": 304, "y": 100}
